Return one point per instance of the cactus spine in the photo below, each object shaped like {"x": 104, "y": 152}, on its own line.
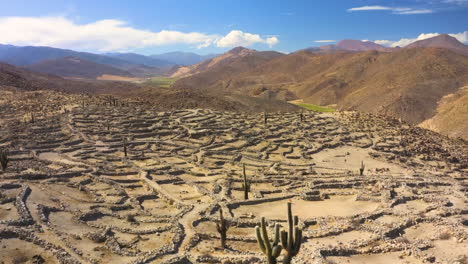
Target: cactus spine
{"x": 246, "y": 185}
{"x": 272, "y": 251}
{"x": 4, "y": 159}
{"x": 222, "y": 228}
{"x": 292, "y": 239}
{"x": 361, "y": 170}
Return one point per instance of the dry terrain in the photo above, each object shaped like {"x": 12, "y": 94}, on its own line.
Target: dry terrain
{"x": 96, "y": 179}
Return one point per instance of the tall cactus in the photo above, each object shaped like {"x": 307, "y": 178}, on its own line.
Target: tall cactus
{"x": 246, "y": 185}
{"x": 301, "y": 115}
{"x": 265, "y": 118}
{"x": 361, "y": 170}
{"x": 4, "y": 158}
{"x": 272, "y": 251}
{"x": 125, "y": 147}
{"x": 292, "y": 239}
{"x": 222, "y": 228}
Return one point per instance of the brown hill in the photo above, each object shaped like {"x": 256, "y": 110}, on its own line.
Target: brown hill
{"x": 441, "y": 41}
{"x": 223, "y": 59}
{"x": 164, "y": 98}
{"x": 76, "y": 68}
{"x": 406, "y": 84}
{"x": 452, "y": 115}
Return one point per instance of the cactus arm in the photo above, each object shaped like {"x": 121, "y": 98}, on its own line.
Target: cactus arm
{"x": 260, "y": 241}
{"x": 291, "y": 225}
{"x": 297, "y": 243}
{"x": 265, "y": 237}
{"x": 284, "y": 239}
{"x": 276, "y": 251}
{"x": 277, "y": 235}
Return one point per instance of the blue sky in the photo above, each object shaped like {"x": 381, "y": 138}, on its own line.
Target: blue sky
{"x": 213, "y": 26}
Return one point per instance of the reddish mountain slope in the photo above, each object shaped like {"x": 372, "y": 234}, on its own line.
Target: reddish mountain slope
{"x": 442, "y": 41}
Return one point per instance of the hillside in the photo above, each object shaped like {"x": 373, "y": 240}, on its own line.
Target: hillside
{"x": 16, "y": 78}
{"x": 451, "y": 115}
{"x": 76, "y": 68}
{"x": 406, "y": 84}
{"x": 229, "y": 58}
{"x": 442, "y": 41}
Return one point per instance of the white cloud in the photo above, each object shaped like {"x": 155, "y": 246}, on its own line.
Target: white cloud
{"x": 109, "y": 35}
{"x": 325, "y": 41}
{"x": 458, "y": 2}
{"x": 239, "y": 38}
{"x": 383, "y": 42}
{"x": 394, "y": 10}
{"x": 406, "y": 41}
{"x": 415, "y": 12}
{"x": 369, "y": 8}
{"x": 462, "y": 37}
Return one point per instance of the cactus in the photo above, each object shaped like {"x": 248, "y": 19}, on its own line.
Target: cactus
{"x": 361, "y": 170}
{"x": 4, "y": 158}
{"x": 265, "y": 118}
{"x": 292, "y": 239}
{"x": 301, "y": 115}
{"x": 125, "y": 147}
{"x": 32, "y": 117}
{"x": 246, "y": 185}
{"x": 222, "y": 228}
{"x": 272, "y": 251}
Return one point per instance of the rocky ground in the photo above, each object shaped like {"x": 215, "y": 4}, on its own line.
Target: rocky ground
{"x": 71, "y": 195}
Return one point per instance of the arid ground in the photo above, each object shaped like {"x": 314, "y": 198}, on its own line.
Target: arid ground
{"x": 71, "y": 195}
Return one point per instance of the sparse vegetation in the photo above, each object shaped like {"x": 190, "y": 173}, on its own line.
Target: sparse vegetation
{"x": 125, "y": 147}
{"x": 246, "y": 184}
{"x": 4, "y": 158}
{"x": 161, "y": 81}
{"x": 222, "y": 227}
{"x": 316, "y": 108}
{"x": 362, "y": 168}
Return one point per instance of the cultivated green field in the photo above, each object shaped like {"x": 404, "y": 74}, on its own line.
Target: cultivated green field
{"x": 161, "y": 81}
{"x": 316, "y": 108}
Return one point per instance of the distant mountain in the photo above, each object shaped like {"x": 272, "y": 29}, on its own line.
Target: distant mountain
{"x": 350, "y": 45}
{"x": 141, "y": 59}
{"x": 22, "y": 56}
{"x": 358, "y": 45}
{"x": 224, "y": 59}
{"x": 441, "y": 41}
{"x": 183, "y": 58}
{"x": 76, "y": 67}
{"x": 23, "y": 79}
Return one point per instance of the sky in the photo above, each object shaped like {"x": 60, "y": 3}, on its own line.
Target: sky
{"x": 215, "y": 26}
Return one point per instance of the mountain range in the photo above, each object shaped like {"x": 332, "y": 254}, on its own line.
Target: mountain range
{"x": 423, "y": 83}
{"x": 408, "y": 83}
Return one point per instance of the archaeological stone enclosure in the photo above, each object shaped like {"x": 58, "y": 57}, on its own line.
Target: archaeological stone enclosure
{"x": 96, "y": 179}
